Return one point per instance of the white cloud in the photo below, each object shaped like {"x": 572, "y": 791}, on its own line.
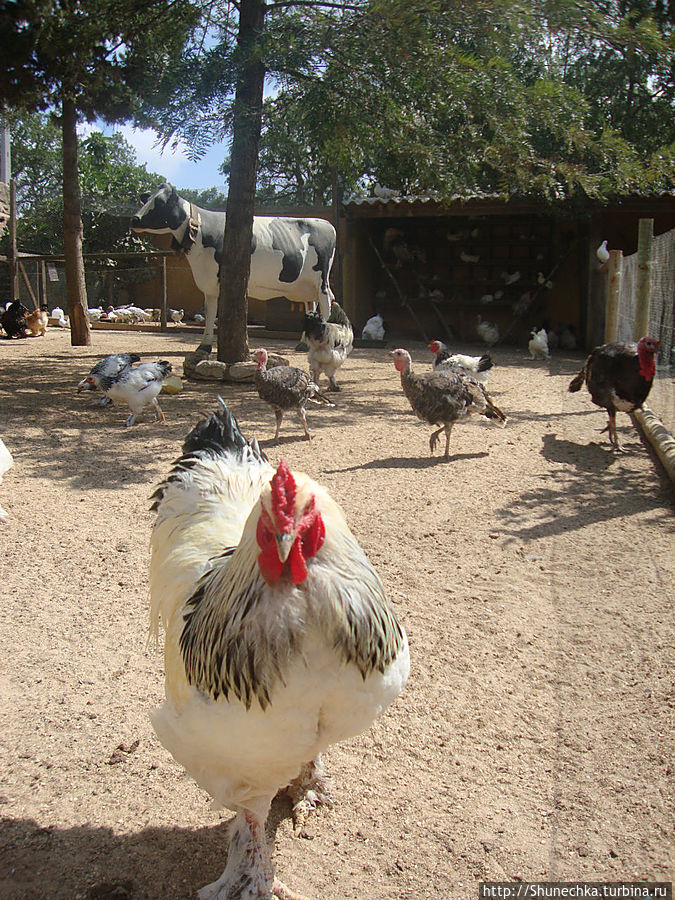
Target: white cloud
{"x": 149, "y": 151}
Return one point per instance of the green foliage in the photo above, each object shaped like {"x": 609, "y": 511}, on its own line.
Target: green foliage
{"x": 111, "y": 184}
{"x": 102, "y": 55}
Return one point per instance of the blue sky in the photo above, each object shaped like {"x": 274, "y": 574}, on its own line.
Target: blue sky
{"x": 175, "y": 166}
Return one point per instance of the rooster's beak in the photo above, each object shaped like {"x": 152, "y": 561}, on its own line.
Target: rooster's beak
{"x": 284, "y": 545}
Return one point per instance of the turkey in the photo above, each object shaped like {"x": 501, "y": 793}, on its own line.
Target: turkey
{"x": 109, "y": 366}
{"x": 443, "y": 397}
{"x": 478, "y": 366}
{"x": 138, "y": 387}
{"x": 284, "y": 388}
{"x": 330, "y": 343}
{"x": 619, "y": 377}
{"x": 280, "y": 640}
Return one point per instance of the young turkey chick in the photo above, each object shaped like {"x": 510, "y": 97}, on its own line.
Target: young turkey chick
{"x": 443, "y": 397}
{"x": 285, "y": 387}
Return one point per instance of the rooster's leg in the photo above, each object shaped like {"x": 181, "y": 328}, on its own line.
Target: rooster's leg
{"x": 307, "y": 791}
{"x": 279, "y": 416}
{"x": 159, "y": 415}
{"x": 249, "y": 873}
{"x": 332, "y": 383}
{"x": 130, "y": 421}
{"x": 433, "y": 440}
{"x": 303, "y": 416}
{"x": 103, "y": 401}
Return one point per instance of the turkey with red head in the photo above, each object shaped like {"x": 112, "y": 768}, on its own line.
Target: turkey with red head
{"x": 619, "y": 377}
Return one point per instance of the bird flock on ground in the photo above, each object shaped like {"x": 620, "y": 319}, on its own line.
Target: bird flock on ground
{"x": 279, "y": 639}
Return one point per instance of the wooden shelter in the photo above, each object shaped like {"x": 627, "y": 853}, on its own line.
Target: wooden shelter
{"x": 431, "y": 267}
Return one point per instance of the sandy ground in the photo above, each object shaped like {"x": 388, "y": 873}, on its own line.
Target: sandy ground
{"x": 534, "y": 574}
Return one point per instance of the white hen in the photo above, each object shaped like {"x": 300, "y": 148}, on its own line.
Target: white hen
{"x": 373, "y": 330}
{"x": 279, "y": 637}
{"x": 6, "y": 463}
{"x": 538, "y": 344}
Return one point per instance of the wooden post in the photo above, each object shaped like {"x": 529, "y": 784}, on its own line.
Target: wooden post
{"x": 162, "y": 320}
{"x": 643, "y": 288}
{"x": 29, "y": 287}
{"x": 13, "y": 268}
{"x": 614, "y": 277}
{"x": 336, "y": 273}
{"x": 43, "y": 283}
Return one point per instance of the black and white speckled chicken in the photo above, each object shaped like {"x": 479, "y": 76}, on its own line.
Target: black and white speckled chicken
{"x": 619, "y": 377}
{"x": 138, "y": 388}
{"x": 284, "y": 388}
{"x": 110, "y": 367}
{"x": 444, "y": 397}
{"x": 330, "y": 343}
{"x": 280, "y": 639}
{"x": 478, "y": 366}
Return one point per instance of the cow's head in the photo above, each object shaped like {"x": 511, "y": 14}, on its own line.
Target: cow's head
{"x": 162, "y": 212}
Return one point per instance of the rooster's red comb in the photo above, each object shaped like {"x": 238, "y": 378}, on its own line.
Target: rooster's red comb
{"x": 283, "y": 497}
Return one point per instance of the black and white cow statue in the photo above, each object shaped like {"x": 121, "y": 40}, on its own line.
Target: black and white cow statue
{"x": 289, "y": 257}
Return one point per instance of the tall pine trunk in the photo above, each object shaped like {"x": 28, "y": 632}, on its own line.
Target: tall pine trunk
{"x": 76, "y": 290}
{"x": 247, "y": 125}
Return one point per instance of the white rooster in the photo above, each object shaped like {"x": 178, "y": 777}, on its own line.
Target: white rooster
{"x": 330, "y": 343}
{"x": 280, "y": 639}
{"x": 138, "y": 387}
{"x": 478, "y": 366}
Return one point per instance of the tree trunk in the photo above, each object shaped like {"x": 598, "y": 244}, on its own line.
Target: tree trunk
{"x": 247, "y": 125}
{"x": 76, "y": 290}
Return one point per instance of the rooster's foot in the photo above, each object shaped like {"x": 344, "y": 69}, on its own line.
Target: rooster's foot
{"x": 281, "y": 892}
{"x": 308, "y": 791}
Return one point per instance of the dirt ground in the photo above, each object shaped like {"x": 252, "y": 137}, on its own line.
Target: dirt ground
{"x": 533, "y": 572}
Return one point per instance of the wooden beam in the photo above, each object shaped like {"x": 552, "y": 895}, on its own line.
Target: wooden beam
{"x": 28, "y": 284}
{"x": 13, "y": 273}
{"x": 614, "y": 267}
{"x": 163, "y": 317}
{"x": 643, "y": 287}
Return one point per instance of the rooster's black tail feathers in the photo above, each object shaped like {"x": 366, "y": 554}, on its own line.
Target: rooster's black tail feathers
{"x": 219, "y": 434}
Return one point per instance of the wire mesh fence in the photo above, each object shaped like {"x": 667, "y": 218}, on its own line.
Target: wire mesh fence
{"x": 661, "y": 319}
{"x": 114, "y": 282}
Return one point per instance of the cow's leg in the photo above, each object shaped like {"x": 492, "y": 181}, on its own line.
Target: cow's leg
{"x": 210, "y": 312}
{"x": 325, "y": 302}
